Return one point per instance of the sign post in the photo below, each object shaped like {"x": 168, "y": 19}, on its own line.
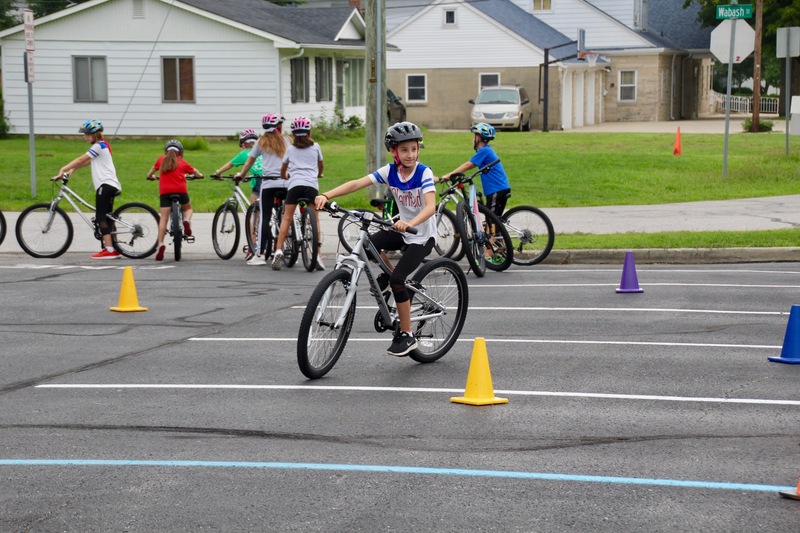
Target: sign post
{"x": 724, "y": 37}
{"x": 788, "y": 46}
{"x": 27, "y": 17}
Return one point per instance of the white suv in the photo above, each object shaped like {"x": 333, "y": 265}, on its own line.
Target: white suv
{"x": 506, "y": 106}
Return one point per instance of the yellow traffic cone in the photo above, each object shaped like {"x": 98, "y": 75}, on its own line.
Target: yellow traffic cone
{"x": 128, "y": 301}
{"x": 479, "y": 389}
{"x": 792, "y": 494}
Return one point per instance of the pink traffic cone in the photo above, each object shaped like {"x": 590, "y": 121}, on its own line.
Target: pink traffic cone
{"x": 629, "y": 281}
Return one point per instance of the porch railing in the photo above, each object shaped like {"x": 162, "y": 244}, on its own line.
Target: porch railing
{"x": 744, "y": 104}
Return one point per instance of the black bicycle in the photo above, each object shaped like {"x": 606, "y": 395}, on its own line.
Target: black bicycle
{"x": 175, "y": 225}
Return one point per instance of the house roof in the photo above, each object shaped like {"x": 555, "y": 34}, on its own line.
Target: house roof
{"x": 671, "y": 26}
{"x": 525, "y": 25}
{"x": 314, "y": 26}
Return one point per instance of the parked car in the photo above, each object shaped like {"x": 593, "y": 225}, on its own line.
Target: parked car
{"x": 506, "y": 106}
{"x": 395, "y": 109}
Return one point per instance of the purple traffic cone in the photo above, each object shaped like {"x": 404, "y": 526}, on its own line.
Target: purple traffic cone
{"x": 629, "y": 281}
{"x": 790, "y": 354}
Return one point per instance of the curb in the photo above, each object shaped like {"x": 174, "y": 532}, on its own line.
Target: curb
{"x": 676, "y": 256}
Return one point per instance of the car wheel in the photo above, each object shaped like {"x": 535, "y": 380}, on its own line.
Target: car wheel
{"x": 528, "y": 124}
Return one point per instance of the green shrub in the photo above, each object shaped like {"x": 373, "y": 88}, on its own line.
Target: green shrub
{"x": 195, "y": 144}
{"x": 5, "y": 128}
{"x": 763, "y": 125}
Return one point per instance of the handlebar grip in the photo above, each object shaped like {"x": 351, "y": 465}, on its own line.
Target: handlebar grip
{"x": 412, "y": 231}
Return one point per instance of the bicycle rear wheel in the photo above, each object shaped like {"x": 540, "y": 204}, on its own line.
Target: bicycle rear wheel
{"x": 319, "y": 341}
{"x": 177, "y": 230}
{"x": 135, "y": 232}
{"x": 252, "y": 224}
{"x": 496, "y": 242}
{"x": 42, "y": 232}
{"x": 225, "y": 231}
{"x": 448, "y": 242}
{"x": 532, "y": 234}
{"x": 309, "y": 240}
{"x": 446, "y": 285}
{"x": 349, "y": 228}
{"x": 2, "y": 227}
{"x": 291, "y": 246}
{"x": 473, "y": 245}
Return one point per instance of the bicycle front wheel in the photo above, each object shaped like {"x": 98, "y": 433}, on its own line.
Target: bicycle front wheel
{"x": 42, "y": 232}
{"x": 532, "y": 234}
{"x": 496, "y": 241}
{"x": 309, "y": 241}
{"x": 473, "y": 245}
{"x": 320, "y": 341}
{"x": 449, "y": 239}
{"x": 2, "y": 227}
{"x": 177, "y": 230}
{"x": 225, "y": 231}
{"x": 445, "y": 293}
{"x": 135, "y": 233}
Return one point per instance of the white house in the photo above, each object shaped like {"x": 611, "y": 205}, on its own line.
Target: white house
{"x": 184, "y": 67}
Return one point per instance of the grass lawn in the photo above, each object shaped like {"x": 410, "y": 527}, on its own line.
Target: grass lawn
{"x": 554, "y": 169}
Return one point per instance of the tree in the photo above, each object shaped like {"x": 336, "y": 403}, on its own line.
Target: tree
{"x": 9, "y": 16}
{"x": 41, "y": 8}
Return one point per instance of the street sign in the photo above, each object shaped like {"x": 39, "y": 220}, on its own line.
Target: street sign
{"x": 743, "y": 44}
{"x": 27, "y": 17}
{"x": 744, "y": 11}
{"x": 788, "y": 42}
{"x": 29, "y": 72}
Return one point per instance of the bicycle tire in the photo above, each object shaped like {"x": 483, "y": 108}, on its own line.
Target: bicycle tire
{"x": 318, "y": 344}
{"x": 135, "y": 233}
{"x": 498, "y": 243}
{"x": 2, "y": 227}
{"x": 309, "y": 241}
{"x": 349, "y": 228}
{"x": 448, "y": 243}
{"x": 225, "y": 231}
{"x": 252, "y": 223}
{"x": 291, "y": 246}
{"x": 444, "y": 282}
{"x": 473, "y": 247}
{"x": 177, "y": 230}
{"x": 43, "y": 233}
{"x": 532, "y": 234}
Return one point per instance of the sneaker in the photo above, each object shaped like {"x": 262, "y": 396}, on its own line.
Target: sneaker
{"x": 160, "y": 253}
{"x": 257, "y": 260}
{"x": 105, "y": 254}
{"x": 248, "y": 255}
{"x": 187, "y": 228}
{"x": 402, "y": 344}
{"x": 277, "y": 260}
{"x": 320, "y": 264}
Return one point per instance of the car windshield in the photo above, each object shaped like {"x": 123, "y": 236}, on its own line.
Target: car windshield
{"x": 498, "y": 96}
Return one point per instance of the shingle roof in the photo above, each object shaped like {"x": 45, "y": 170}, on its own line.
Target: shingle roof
{"x": 305, "y": 26}
{"x": 525, "y": 25}
{"x": 671, "y": 26}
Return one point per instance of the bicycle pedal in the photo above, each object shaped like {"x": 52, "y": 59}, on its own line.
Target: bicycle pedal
{"x": 189, "y": 238}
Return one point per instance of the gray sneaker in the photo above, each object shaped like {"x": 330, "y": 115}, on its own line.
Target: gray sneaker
{"x": 402, "y": 344}
{"x": 277, "y": 260}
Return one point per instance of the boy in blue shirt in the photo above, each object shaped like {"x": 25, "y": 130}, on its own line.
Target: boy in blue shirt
{"x": 496, "y": 188}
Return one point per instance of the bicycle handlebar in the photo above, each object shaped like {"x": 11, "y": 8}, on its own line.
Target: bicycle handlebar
{"x": 240, "y": 179}
{"x": 189, "y": 177}
{"x": 333, "y": 208}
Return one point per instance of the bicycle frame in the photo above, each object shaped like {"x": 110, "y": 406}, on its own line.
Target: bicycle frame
{"x": 71, "y": 196}
{"x": 358, "y": 262}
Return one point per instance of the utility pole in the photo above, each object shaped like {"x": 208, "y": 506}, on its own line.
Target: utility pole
{"x": 756, "y": 126}
{"x": 375, "y": 54}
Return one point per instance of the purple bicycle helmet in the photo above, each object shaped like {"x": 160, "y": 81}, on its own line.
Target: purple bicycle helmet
{"x": 301, "y": 126}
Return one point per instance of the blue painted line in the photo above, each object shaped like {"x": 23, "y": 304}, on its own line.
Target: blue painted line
{"x": 402, "y": 470}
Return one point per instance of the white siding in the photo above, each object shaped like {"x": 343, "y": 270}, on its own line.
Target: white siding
{"x": 622, "y": 10}
{"x": 237, "y": 74}
{"x": 455, "y": 47}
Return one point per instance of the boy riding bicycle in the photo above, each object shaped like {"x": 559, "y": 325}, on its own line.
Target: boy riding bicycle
{"x": 412, "y": 185}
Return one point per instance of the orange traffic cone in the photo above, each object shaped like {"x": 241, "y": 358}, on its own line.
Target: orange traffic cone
{"x": 479, "y": 389}
{"x": 677, "y": 149}
{"x": 128, "y": 301}
{"x": 792, "y": 494}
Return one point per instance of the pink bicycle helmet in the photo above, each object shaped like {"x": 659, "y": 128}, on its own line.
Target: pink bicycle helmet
{"x": 247, "y": 135}
{"x": 301, "y": 127}
{"x": 272, "y": 121}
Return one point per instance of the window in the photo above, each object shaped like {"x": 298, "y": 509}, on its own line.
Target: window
{"x": 417, "y": 88}
{"x": 488, "y": 80}
{"x": 627, "y": 86}
{"x": 178, "y": 74}
{"x": 324, "y": 76}
{"x": 90, "y": 82}
{"x": 449, "y": 17}
{"x": 541, "y": 5}
{"x": 354, "y": 82}
{"x": 299, "y": 66}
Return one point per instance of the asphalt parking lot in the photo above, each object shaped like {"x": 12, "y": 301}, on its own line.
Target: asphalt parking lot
{"x": 656, "y": 411}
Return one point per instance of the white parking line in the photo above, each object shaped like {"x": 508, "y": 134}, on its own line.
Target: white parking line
{"x": 643, "y": 397}
{"x": 604, "y": 309}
